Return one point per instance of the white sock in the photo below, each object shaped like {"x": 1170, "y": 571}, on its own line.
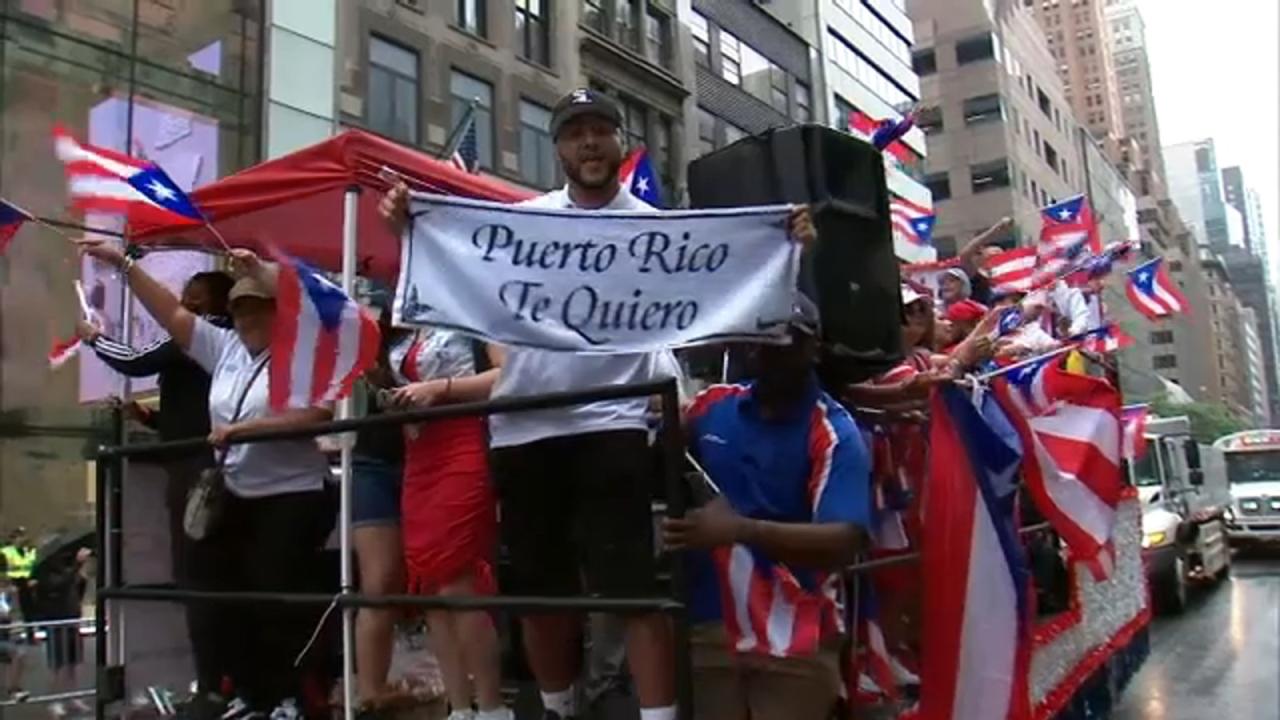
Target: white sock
{"x": 564, "y": 702}
{"x": 658, "y": 713}
{"x": 498, "y": 713}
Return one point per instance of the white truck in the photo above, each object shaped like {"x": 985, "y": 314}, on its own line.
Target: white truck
{"x": 1253, "y": 470}
{"x": 1185, "y": 498}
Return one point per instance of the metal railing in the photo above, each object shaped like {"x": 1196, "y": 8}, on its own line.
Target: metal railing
{"x": 110, "y": 496}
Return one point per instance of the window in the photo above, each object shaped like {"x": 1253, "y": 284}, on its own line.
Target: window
{"x": 471, "y": 17}
{"x": 733, "y": 133}
{"x": 1175, "y": 266}
{"x": 633, "y": 123}
{"x": 989, "y": 176}
{"x": 661, "y": 153}
{"x": 730, "y": 58}
{"x": 657, "y": 32}
{"x": 532, "y": 17}
{"x": 706, "y": 132}
{"x": 982, "y": 109}
{"x": 1050, "y": 155}
{"x": 464, "y": 89}
{"x": 1161, "y": 337}
{"x": 1204, "y": 160}
{"x": 537, "y": 151}
{"x": 392, "y": 103}
{"x": 629, "y": 23}
{"x": 804, "y": 103}
{"x": 778, "y": 88}
{"x": 844, "y": 113}
{"x": 929, "y": 120}
{"x": 845, "y": 56}
{"x": 974, "y": 49}
{"x": 939, "y": 184}
{"x": 924, "y": 62}
{"x": 1164, "y": 362}
{"x": 593, "y": 14}
{"x": 701, "y": 39}
{"x": 1043, "y": 101}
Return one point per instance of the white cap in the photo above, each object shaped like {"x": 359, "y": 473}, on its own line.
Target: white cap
{"x": 910, "y": 295}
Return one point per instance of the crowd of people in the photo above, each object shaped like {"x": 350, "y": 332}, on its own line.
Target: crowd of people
{"x": 787, "y": 499}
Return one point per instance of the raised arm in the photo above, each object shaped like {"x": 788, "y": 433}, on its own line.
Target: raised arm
{"x": 159, "y": 301}
{"x": 970, "y": 251}
{"x": 124, "y": 359}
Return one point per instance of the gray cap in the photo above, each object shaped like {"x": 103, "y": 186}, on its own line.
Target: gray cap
{"x": 805, "y": 316}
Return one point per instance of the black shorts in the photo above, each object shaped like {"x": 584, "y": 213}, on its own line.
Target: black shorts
{"x": 577, "y": 508}
{"x": 64, "y": 647}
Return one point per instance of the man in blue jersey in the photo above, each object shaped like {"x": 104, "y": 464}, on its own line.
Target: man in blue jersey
{"x": 791, "y": 479}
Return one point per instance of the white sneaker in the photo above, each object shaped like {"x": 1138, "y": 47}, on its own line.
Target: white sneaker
{"x": 466, "y": 714}
{"x": 286, "y": 710}
{"x": 236, "y": 709}
{"x": 58, "y": 710}
{"x": 502, "y": 713}
{"x": 904, "y": 676}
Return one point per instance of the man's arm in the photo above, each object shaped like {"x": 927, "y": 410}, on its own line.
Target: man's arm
{"x": 981, "y": 240}
{"x": 125, "y": 360}
{"x": 815, "y": 545}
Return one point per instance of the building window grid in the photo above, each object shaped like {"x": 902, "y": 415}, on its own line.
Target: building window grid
{"x": 538, "y": 163}
{"x": 628, "y": 22}
{"x": 701, "y": 33}
{"x": 392, "y": 95}
{"x": 846, "y": 57}
{"x": 657, "y": 30}
{"x": 730, "y": 58}
{"x": 878, "y": 28}
{"x": 533, "y": 30}
{"x": 987, "y": 176}
{"x": 593, "y": 15}
{"x": 472, "y": 16}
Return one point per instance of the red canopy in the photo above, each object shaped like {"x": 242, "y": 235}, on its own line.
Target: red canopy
{"x": 294, "y": 203}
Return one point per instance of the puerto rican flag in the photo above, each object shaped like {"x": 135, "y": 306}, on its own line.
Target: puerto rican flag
{"x": 1067, "y": 228}
{"x": 12, "y": 218}
{"x": 1108, "y": 338}
{"x": 914, "y": 222}
{"x": 104, "y": 180}
{"x": 62, "y": 351}
{"x": 1070, "y": 427}
{"x": 322, "y": 341}
{"x": 1153, "y": 293}
{"x": 876, "y": 657}
{"x": 977, "y": 610}
{"x": 1014, "y": 271}
{"x": 867, "y": 128}
{"x": 1134, "y": 418}
{"x": 637, "y": 175}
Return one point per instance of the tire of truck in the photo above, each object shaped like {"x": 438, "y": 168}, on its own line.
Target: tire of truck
{"x": 1169, "y": 587}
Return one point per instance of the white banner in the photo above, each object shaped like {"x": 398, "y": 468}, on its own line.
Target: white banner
{"x": 599, "y": 281}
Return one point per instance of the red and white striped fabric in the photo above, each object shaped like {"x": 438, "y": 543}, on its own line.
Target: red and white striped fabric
{"x": 322, "y": 341}
{"x": 914, "y": 221}
{"x": 1014, "y": 271}
{"x": 1071, "y": 434}
{"x": 62, "y": 351}
{"x": 1135, "y": 429}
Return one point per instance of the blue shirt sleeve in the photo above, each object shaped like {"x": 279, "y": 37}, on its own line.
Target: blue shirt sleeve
{"x": 840, "y": 481}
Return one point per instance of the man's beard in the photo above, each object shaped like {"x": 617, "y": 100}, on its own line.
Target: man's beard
{"x": 574, "y": 173}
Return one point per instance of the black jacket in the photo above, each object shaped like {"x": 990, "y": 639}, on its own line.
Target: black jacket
{"x": 184, "y": 385}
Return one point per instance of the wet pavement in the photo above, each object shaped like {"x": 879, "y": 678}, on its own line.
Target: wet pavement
{"x": 1220, "y": 658}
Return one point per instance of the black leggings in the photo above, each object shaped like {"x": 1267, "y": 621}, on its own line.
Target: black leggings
{"x": 270, "y": 544}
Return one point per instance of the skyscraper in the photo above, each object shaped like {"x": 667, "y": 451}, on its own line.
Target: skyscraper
{"x": 1076, "y": 33}
{"x": 1191, "y": 171}
{"x": 1126, "y": 36}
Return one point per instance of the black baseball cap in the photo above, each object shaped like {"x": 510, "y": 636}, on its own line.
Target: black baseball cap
{"x": 583, "y": 101}
{"x": 805, "y": 316}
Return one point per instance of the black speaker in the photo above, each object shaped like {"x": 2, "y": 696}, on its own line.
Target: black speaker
{"x": 852, "y": 273}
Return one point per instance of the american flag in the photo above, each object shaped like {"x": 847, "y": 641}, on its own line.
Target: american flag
{"x": 322, "y": 341}
{"x": 1071, "y": 432}
{"x": 464, "y": 150}
{"x": 1153, "y": 293}
{"x": 915, "y": 222}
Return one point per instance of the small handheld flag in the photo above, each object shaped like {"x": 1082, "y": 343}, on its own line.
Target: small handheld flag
{"x": 1153, "y": 293}
{"x": 109, "y": 181}
{"x": 1134, "y": 418}
{"x": 637, "y": 175}
{"x": 62, "y": 351}
{"x": 1108, "y": 338}
{"x": 12, "y": 218}
{"x": 915, "y": 222}
{"x": 1067, "y": 227}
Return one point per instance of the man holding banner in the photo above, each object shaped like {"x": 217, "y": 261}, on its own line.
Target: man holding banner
{"x": 586, "y": 285}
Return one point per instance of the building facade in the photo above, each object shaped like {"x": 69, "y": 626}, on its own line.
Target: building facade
{"x": 1255, "y": 358}
{"x": 177, "y": 82}
{"x": 1077, "y": 36}
{"x": 1191, "y": 172}
{"x": 1126, "y": 36}
{"x": 1003, "y": 140}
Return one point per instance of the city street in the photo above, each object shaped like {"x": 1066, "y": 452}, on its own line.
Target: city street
{"x": 1220, "y": 658}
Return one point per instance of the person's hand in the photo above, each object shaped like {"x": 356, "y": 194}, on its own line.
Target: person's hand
{"x": 88, "y": 331}
{"x": 83, "y": 555}
{"x": 921, "y": 383}
{"x": 421, "y": 394}
{"x": 1004, "y": 226}
{"x": 221, "y": 435}
{"x": 105, "y": 251}
{"x": 713, "y": 525}
{"x": 244, "y": 262}
{"x": 394, "y": 207}
{"x": 800, "y": 226}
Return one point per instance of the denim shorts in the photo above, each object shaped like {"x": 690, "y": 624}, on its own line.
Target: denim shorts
{"x": 375, "y": 492}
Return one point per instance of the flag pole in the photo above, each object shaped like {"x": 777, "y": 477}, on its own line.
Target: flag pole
{"x": 350, "y": 227}
{"x": 216, "y": 234}
{"x": 1023, "y": 363}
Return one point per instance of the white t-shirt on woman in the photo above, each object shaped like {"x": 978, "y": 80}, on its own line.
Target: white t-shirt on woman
{"x": 256, "y": 469}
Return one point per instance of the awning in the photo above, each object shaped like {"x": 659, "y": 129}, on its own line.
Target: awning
{"x": 294, "y": 203}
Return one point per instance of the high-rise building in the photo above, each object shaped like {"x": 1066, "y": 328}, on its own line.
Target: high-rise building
{"x": 1246, "y": 201}
{"x": 1255, "y": 359}
{"x": 868, "y": 70}
{"x": 1002, "y": 136}
{"x": 1076, "y": 33}
{"x": 1191, "y": 172}
{"x": 1126, "y": 36}
{"x": 1229, "y": 355}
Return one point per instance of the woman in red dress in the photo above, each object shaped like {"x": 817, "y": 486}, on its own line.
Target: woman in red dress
{"x": 449, "y": 513}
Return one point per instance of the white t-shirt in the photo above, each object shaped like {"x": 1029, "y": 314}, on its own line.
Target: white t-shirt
{"x": 529, "y": 371}
{"x": 255, "y": 469}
